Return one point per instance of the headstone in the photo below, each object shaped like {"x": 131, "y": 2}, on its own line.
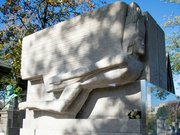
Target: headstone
{"x": 11, "y": 121}
{"x": 160, "y": 126}
{"x": 84, "y": 74}
{"x": 4, "y": 71}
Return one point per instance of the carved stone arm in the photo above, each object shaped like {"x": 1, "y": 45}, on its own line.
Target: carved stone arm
{"x": 58, "y": 82}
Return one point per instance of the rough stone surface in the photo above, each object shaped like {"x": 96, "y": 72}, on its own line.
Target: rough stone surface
{"x": 57, "y": 132}
{"x": 74, "y": 43}
{"x": 27, "y": 132}
{"x": 89, "y": 77}
{"x": 87, "y": 125}
{"x": 114, "y": 102}
{"x": 155, "y": 53}
{"x": 36, "y": 91}
{"x": 82, "y": 126}
{"x": 105, "y": 69}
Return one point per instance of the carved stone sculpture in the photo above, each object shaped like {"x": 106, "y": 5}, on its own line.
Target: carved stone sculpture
{"x": 8, "y": 101}
{"x": 87, "y": 74}
{"x": 108, "y": 71}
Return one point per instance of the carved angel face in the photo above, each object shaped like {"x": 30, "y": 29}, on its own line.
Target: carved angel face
{"x": 139, "y": 46}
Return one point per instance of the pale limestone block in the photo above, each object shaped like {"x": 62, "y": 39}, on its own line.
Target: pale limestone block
{"x": 46, "y": 132}
{"x": 51, "y": 132}
{"x": 27, "y": 131}
{"x": 78, "y": 42}
{"x": 115, "y": 102}
{"x": 36, "y": 91}
{"x": 104, "y": 70}
{"x": 127, "y": 66}
{"x": 109, "y": 102}
{"x": 63, "y": 104}
{"x": 29, "y": 114}
{"x": 85, "y": 125}
{"x": 74, "y": 51}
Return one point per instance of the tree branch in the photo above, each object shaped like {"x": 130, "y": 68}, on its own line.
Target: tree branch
{"x": 23, "y": 23}
{"x": 44, "y": 21}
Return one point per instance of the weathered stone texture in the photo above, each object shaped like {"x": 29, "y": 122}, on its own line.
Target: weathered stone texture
{"x": 90, "y": 65}
{"x": 155, "y": 53}
{"x": 78, "y": 42}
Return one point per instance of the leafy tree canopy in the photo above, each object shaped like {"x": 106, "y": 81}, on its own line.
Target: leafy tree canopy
{"x": 173, "y": 41}
{"x": 172, "y": 1}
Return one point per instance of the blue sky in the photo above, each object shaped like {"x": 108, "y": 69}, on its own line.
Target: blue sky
{"x": 159, "y": 11}
{"x": 156, "y": 8}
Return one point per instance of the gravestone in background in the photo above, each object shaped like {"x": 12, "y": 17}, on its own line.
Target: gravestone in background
{"x": 84, "y": 74}
{"x": 10, "y": 117}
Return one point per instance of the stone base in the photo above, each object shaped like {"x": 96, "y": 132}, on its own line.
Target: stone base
{"x": 104, "y": 113}
{"x": 49, "y": 132}
{"x": 51, "y": 126}
{"x": 11, "y": 121}
{"x": 14, "y": 131}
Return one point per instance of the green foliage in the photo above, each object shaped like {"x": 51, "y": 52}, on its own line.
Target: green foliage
{"x": 152, "y": 126}
{"x": 5, "y": 80}
{"x": 20, "y": 18}
{"x": 170, "y": 112}
{"x": 173, "y": 47}
{"x": 171, "y": 1}
{"x": 172, "y": 21}
{"x": 162, "y": 112}
{"x": 173, "y": 41}
{"x": 18, "y": 91}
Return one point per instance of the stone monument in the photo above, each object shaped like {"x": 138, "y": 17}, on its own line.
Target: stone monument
{"x": 84, "y": 74}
